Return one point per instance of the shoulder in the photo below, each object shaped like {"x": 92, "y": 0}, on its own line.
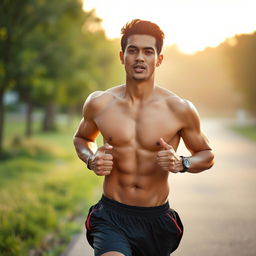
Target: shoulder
{"x": 98, "y": 100}
{"x": 183, "y": 108}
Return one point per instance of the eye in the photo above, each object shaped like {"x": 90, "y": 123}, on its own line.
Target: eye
{"x": 131, "y": 51}
{"x": 149, "y": 52}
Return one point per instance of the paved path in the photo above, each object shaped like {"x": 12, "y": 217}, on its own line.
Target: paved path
{"x": 218, "y": 207}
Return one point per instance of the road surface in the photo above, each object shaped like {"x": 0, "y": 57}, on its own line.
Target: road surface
{"x": 217, "y": 207}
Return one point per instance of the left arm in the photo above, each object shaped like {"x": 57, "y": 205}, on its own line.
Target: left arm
{"x": 201, "y": 154}
{"x": 195, "y": 141}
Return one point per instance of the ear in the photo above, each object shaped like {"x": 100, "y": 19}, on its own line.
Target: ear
{"x": 121, "y": 55}
{"x": 159, "y": 60}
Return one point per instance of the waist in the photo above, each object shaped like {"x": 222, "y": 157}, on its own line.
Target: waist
{"x": 134, "y": 210}
{"x": 137, "y": 190}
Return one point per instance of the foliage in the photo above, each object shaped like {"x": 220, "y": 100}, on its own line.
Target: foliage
{"x": 55, "y": 54}
{"x": 42, "y": 197}
{"x": 201, "y": 78}
{"x": 213, "y": 79}
{"x": 240, "y": 56}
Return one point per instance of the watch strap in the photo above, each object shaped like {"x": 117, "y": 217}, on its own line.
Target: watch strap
{"x": 185, "y": 169}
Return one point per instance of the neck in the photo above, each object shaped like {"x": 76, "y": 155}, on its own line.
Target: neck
{"x": 139, "y": 90}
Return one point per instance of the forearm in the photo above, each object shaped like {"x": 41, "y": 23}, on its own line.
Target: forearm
{"x": 201, "y": 161}
{"x": 84, "y": 148}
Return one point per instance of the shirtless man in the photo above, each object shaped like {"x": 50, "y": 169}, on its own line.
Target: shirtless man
{"x": 142, "y": 125}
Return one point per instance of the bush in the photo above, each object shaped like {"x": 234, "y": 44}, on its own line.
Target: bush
{"x": 41, "y": 197}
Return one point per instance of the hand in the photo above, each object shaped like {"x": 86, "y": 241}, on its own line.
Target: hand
{"x": 101, "y": 162}
{"x": 168, "y": 159}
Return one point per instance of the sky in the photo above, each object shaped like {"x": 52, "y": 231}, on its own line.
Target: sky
{"x": 190, "y": 24}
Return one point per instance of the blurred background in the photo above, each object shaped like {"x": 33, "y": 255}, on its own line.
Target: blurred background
{"x": 53, "y": 54}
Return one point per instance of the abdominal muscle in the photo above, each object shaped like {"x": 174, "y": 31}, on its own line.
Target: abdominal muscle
{"x": 136, "y": 179}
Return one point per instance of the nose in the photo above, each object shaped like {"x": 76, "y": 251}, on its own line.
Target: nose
{"x": 140, "y": 56}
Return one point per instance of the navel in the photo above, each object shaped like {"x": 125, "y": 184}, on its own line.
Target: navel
{"x": 135, "y": 186}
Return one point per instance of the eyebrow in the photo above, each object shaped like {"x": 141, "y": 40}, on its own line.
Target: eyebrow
{"x": 144, "y": 48}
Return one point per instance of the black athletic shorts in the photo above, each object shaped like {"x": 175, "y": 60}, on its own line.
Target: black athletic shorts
{"x": 133, "y": 230}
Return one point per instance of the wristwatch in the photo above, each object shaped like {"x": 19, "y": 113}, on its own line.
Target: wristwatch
{"x": 185, "y": 163}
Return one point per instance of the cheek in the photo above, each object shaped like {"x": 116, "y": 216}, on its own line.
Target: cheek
{"x": 152, "y": 60}
{"x": 152, "y": 63}
{"x": 128, "y": 60}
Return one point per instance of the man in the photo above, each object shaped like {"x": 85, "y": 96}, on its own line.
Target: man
{"x": 142, "y": 125}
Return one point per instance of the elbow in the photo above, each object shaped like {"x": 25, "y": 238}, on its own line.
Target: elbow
{"x": 75, "y": 139}
{"x": 76, "y": 143}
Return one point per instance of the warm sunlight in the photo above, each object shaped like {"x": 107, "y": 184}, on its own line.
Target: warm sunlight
{"x": 192, "y": 25}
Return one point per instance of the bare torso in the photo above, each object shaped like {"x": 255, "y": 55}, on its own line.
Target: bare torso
{"x": 134, "y": 130}
{"x": 141, "y": 125}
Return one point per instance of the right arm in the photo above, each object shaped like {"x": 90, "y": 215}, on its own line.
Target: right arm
{"x": 87, "y": 132}
{"x": 85, "y": 139}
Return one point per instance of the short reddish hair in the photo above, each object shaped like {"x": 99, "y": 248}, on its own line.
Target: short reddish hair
{"x": 142, "y": 27}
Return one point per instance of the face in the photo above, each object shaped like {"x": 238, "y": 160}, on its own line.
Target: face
{"x": 140, "y": 57}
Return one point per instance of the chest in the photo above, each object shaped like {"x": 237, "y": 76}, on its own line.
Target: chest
{"x": 141, "y": 126}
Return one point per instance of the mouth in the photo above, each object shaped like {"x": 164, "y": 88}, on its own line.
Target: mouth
{"x": 139, "y": 68}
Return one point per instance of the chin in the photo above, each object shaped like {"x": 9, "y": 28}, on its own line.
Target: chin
{"x": 139, "y": 78}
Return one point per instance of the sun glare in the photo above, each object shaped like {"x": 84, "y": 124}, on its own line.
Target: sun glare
{"x": 191, "y": 25}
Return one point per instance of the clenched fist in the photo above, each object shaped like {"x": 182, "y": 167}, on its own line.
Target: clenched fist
{"x": 168, "y": 159}
{"x": 102, "y": 162}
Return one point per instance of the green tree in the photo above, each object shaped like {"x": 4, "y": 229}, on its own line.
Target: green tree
{"x": 93, "y": 65}
{"x": 240, "y": 56}
{"x": 53, "y": 53}
{"x": 17, "y": 20}
{"x": 71, "y": 60}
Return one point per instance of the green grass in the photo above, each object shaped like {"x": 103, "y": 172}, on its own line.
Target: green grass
{"x": 248, "y": 131}
{"x": 44, "y": 189}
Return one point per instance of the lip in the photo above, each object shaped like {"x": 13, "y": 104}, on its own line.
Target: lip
{"x": 139, "y": 68}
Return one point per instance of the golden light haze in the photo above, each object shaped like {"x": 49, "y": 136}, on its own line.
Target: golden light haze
{"x": 191, "y": 25}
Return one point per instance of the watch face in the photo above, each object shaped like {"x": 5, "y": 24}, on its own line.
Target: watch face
{"x": 186, "y": 163}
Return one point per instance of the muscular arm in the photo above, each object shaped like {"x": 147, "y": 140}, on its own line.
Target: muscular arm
{"x": 195, "y": 141}
{"x": 85, "y": 137}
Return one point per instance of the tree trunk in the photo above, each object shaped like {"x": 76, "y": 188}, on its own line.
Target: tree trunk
{"x": 1, "y": 120}
{"x": 70, "y": 115}
{"x": 49, "y": 123}
{"x": 4, "y": 83}
{"x": 29, "y": 119}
